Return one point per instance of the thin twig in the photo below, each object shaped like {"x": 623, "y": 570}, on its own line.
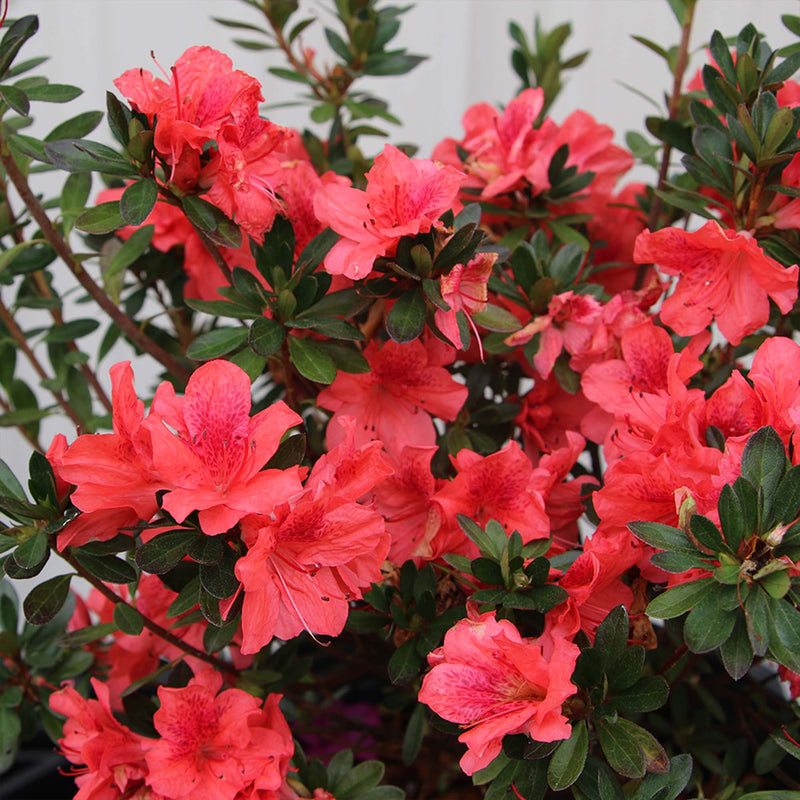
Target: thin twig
{"x": 153, "y": 627}
{"x": 672, "y": 108}
{"x": 128, "y": 326}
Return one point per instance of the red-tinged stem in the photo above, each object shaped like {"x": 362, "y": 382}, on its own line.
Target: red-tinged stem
{"x": 128, "y": 326}
{"x": 672, "y": 109}
{"x": 673, "y": 659}
{"x": 153, "y": 627}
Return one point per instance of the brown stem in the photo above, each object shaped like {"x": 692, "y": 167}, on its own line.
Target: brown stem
{"x": 153, "y": 627}
{"x": 22, "y": 344}
{"x": 56, "y": 240}
{"x": 672, "y": 108}
{"x": 673, "y": 659}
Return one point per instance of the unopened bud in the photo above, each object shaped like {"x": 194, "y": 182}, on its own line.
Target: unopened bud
{"x": 685, "y": 506}
{"x": 775, "y": 536}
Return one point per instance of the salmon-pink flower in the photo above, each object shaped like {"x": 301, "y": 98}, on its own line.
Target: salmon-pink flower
{"x": 464, "y": 288}
{"x": 491, "y": 680}
{"x": 114, "y": 470}
{"x": 113, "y": 755}
{"x": 215, "y": 744}
{"x": 210, "y": 452}
{"x": 404, "y": 196}
{"x": 573, "y": 322}
{"x": 209, "y": 132}
{"x": 723, "y": 275}
{"x": 310, "y": 557}
{"x": 395, "y": 400}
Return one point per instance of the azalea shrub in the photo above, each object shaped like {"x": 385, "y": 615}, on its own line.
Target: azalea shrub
{"x": 470, "y": 474}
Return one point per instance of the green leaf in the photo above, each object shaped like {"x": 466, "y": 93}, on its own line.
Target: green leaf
{"x": 10, "y": 729}
{"x": 53, "y": 92}
{"x": 164, "y": 551}
{"x": 128, "y": 619}
{"x": 19, "y": 32}
{"x": 707, "y": 533}
{"x": 680, "y": 599}
{"x": 495, "y": 318}
{"x": 612, "y": 635}
{"x": 677, "y": 562}
{"x": 316, "y": 250}
{"x": 786, "y": 500}
{"x": 764, "y": 460}
{"x": 216, "y": 343}
{"x": 216, "y": 639}
{"x": 311, "y": 361}
{"x": 87, "y": 635}
{"x": 76, "y": 127}
{"x": 219, "y": 580}
{"x": 82, "y": 155}
{"x": 16, "y": 99}
{"x": 731, "y": 517}
{"x": 621, "y": 749}
{"x": 393, "y": 63}
{"x": 70, "y": 331}
{"x": 9, "y": 485}
{"x": 708, "y": 624}
{"x": 45, "y": 600}
{"x": 405, "y": 662}
{"x": 32, "y": 551}
{"x": 784, "y": 628}
{"x": 132, "y": 248}
{"x": 105, "y": 218}
{"x": 137, "y": 201}
{"x": 647, "y": 694}
{"x": 265, "y": 336}
{"x": 664, "y": 537}
{"x": 737, "y": 651}
{"x": 108, "y": 568}
{"x": 566, "y": 764}
{"x": 406, "y": 320}
{"x": 412, "y": 738}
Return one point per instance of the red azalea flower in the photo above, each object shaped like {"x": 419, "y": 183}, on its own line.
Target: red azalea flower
{"x": 491, "y": 680}
{"x": 404, "y": 196}
{"x": 723, "y": 276}
{"x": 210, "y": 452}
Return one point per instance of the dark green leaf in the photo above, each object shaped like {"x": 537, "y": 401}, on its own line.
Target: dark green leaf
{"x": 32, "y": 551}
{"x": 128, "y": 619}
{"x": 680, "y": 599}
{"x": 137, "y": 201}
{"x": 19, "y": 32}
{"x": 786, "y": 500}
{"x": 406, "y": 320}
{"x": 731, "y": 517}
{"x": 136, "y": 244}
{"x": 764, "y": 460}
{"x": 81, "y": 155}
{"x": 70, "y": 331}
{"x": 75, "y": 128}
{"x": 105, "y": 218}
{"x": 708, "y": 624}
{"x": 412, "y": 738}
{"x": 736, "y": 651}
{"x": 647, "y": 694}
{"x": 108, "y": 568}
{"x": 216, "y": 343}
{"x": 612, "y": 635}
{"x": 404, "y": 663}
{"x": 664, "y": 537}
{"x": 219, "y": 580}
{"x": 495, "y": 318}
{"x": 567, "y": 762}
{"x": 53, "y": 92}
{"x": 10, "y": 729}
{"x": 311, "y": 361}
{"x": 45, "y": 600}
{"x": 265, "y": 336}
{"x": 16, "y": 99}
{"x": 707, "y": 533}
{"x": 216, "y": 639}
{"x": 164, "y": 551}
{"x": 621, "y": 749}
{"x": 394, "y": 63}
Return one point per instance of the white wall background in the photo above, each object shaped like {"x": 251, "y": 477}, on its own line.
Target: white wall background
{"x": 91, "y": 42}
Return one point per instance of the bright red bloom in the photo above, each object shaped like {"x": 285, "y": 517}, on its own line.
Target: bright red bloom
{"x": 215, "y": 744}
{"x": 209, "y": 132}
{"x": 112, "y": 753}
{"x": 464, "y": 288}
{"x": 309, "y": 558}
{"x": 499, "y": 486}
{"x": 210, "y": 452}
{"x": 404, "y": 196}
{"x": 724, "y": 276}
{"x": 395, "y": 400}
{"x": 574, "y": 323}
{"x": 491, "y": 680}
{"x": 114, "y": 470}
